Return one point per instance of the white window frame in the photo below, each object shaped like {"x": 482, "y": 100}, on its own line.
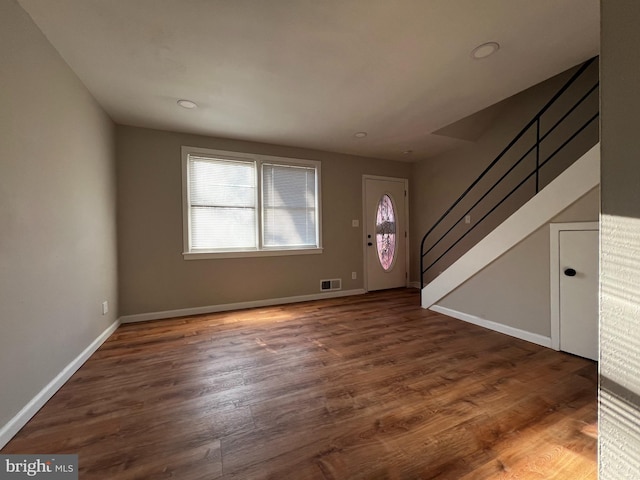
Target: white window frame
{"x": 258, "y": 160}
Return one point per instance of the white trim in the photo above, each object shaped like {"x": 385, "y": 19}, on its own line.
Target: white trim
{"x": 251, "y": 253}
{"x": 14, "y": 425}
{"x": 554, "y": 271}
{"x": 497, "y": 327}
{"x": 183, "y": 312}
{"x": 575, "y": 182}
{"x": 364, "y": 225}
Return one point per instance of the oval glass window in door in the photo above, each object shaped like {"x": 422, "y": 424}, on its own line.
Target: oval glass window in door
{"x": 386, "y": 232}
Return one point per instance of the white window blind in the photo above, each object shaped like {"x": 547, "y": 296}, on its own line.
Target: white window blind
{"x": 289, "y": 203}
{"x": 222, "y": 197}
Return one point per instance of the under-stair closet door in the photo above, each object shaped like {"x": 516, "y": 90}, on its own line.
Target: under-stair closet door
{"x": 579, "y": 292}
{"x": 385, "y": 232}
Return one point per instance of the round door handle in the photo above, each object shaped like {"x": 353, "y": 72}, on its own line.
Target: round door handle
{"x": 570, "y": 272}
{"x": 369, "y": 243}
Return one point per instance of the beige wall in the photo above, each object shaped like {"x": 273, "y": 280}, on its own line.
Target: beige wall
{"x": 440, "y": 180}
{"x": 153, "y": 274}
{"x": 57, "y": 213}
{"x": 515, "y": 289}
{"x": 619, "y": 423}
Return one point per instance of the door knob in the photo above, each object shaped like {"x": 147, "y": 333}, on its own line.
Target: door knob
{"x": 570, "y": 272}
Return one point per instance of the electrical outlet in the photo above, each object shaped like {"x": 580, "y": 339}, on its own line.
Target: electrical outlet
{"x": 354, "y": 275}
{"x": 467, "y": 219}
{"x": 105, "y": 307}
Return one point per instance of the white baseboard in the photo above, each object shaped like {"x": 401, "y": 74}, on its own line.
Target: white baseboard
{"x": 14, "y": 425}
{"x": 183, "y": 312}
{"x": 498, "y": 327}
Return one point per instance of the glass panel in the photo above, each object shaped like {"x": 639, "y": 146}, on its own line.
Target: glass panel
{"x": 222, "y": 183}
{"x": 289, "y": 206}
{"x": 223, "y": 228}
{"x": 222, "y": 195}
{"x": 386, "y": 232}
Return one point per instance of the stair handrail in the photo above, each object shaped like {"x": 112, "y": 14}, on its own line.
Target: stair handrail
{"x": 534, "y": 121}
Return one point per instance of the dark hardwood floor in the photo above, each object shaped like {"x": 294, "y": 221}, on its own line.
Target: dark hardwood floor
{"x": 364, "y": 387}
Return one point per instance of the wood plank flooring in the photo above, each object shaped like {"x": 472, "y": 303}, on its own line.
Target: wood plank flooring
{"x": 364, "y": 387}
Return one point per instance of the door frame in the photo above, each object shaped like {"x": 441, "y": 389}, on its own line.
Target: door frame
{"x": 365, "y": 270}
{"x": 554, "y": 271}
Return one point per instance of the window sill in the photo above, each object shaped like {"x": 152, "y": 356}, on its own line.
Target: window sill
{"x": 250, "y": 253}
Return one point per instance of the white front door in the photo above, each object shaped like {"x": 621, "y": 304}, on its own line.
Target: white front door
{"x": 385, "y": 231}
{"x": 579, "y": 292}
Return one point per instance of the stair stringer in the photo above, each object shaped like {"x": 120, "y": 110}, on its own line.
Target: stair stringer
{"x": 569, "y": 186}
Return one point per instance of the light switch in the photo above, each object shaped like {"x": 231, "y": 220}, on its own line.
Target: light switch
{"x": 355, "y": 223}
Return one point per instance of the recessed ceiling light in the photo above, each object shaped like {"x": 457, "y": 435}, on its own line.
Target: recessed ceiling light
{"x": 485, "y": 50}
{"x": 188, "y": 104}
{"x": 360, "y": 134}
{"x": 407, "y": 152}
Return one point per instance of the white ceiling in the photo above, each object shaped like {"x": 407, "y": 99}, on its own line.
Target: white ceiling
{"x": 311, "y": 73}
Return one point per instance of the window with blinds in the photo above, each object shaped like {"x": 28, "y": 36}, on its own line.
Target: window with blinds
{"x": 289, "y": 206}
{"x": 245, "y": 205}
{"x": 222, "y": 203}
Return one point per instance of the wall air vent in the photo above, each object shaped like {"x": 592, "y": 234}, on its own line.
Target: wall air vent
{"x": 332, "y": 284}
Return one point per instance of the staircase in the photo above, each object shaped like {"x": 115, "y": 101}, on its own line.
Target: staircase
{"x": 542, "y": 171}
